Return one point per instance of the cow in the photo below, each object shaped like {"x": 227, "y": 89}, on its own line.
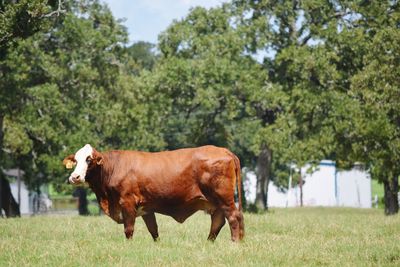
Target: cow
{"x": 177, "y": 183}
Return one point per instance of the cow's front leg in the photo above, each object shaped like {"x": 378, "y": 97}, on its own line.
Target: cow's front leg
{"x": 128, "y": 216}
{"x": 151, "y": 223}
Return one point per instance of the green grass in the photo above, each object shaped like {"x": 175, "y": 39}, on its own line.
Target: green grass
{"x": 283, "y": 237}
{"x": 377, "y": 189}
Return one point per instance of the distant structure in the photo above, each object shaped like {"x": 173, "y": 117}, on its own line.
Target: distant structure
{"x": 29, "y": 201}
{"x": 326, "y": 186}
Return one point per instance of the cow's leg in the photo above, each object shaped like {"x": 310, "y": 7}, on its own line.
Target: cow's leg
{"x": 226, "y": 202}
{"x": 217, "y": 222}
{"x": 151, "y": 223}
{"x": 235, "y": 220}
{"x": 241, "y": 225}
{"x": 128, "y": 216}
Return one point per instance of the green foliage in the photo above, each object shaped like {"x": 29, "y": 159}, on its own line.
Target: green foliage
{"x": 377, "y": 85}
{"x": 143, "y": 54}
{"x": 20, "y": 20}
{"x": 16, "y": 139}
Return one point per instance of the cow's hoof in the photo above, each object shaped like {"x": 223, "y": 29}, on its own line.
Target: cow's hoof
{"x": 128, "y": 234}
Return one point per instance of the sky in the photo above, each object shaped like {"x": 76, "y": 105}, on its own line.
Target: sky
{"x": 145, "y": 19}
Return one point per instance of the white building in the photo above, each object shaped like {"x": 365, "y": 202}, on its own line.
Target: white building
{"x": 28, "y": 199}
{"x": 326, "y": 186}
{"x": 354, "y": 188}
{"x": 24, "y": 206}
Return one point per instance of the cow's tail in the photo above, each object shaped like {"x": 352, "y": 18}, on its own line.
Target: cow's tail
{"x": 239, "y": 180}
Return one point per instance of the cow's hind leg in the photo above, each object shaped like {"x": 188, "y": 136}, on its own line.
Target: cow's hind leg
{"x": 217, "y": 222}
{"x": 235, "y": 220}
{"x": 241, "y": 225}
{"x": 226, "y": 202}
{"x": 151, "y": 223}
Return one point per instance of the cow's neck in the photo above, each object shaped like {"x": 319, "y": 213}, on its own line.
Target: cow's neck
{"x": 98, "y": 178}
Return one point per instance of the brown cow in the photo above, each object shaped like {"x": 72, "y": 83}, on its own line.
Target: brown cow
{"x": 177, "y": 183}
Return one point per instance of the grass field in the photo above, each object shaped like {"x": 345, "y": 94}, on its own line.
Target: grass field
{"x": 282, "y": 237}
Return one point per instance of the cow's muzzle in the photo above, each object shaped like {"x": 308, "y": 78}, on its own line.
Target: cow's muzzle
{"x": 74, "y": 179}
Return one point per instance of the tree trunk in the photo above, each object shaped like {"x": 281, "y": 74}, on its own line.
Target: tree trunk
{"x": 391, "y": 188}
{"x": 9, "y": 205}
{"x": 244, "y": 201}
{"x": 81, "y": 194}
{"x": 1, "y": 174}
{"x": 301, "y": 188}
{"x": 1, "y": 195}
{"x": 1, "y": 132}
{"x": 263, "y": 177}
{"x": 19, "y": 188}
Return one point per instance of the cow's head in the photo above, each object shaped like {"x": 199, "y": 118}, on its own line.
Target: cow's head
{"x": 84, "y": 159}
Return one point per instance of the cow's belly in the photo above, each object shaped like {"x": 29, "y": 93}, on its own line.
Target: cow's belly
{"x": 180, "y": 212}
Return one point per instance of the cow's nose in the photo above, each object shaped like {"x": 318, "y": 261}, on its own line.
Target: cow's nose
{"x": 75, "y": 178}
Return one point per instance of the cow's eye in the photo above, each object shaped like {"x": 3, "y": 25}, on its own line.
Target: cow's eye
{"x": 88, "y": 160}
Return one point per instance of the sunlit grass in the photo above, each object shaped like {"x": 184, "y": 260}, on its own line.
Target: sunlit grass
{"x": 283, "y": 237}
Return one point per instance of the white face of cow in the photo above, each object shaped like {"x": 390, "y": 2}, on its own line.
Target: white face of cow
{"x": 83, "y": 158}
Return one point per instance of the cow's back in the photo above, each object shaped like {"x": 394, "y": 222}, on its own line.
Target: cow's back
{"x": 177, "y": 163}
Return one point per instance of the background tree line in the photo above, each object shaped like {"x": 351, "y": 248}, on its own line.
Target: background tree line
{"x": 277, "y": 82}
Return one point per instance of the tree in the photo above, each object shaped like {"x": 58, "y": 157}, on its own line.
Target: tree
{"x": 315, "y": 51}
{"x": 370, "y": 45}
{"x": 18, "y": 21}
{"x": 377, "y": 133}
{"x": 202, "y": 73}
{"x": 295, "y": 130}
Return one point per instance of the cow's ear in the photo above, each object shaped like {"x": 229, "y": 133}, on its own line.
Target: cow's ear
{"x": 69, "y": 162}
{"x": 98, "y": 157}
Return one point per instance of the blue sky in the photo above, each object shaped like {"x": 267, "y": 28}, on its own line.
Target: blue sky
{"x": 146, "y": 19}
